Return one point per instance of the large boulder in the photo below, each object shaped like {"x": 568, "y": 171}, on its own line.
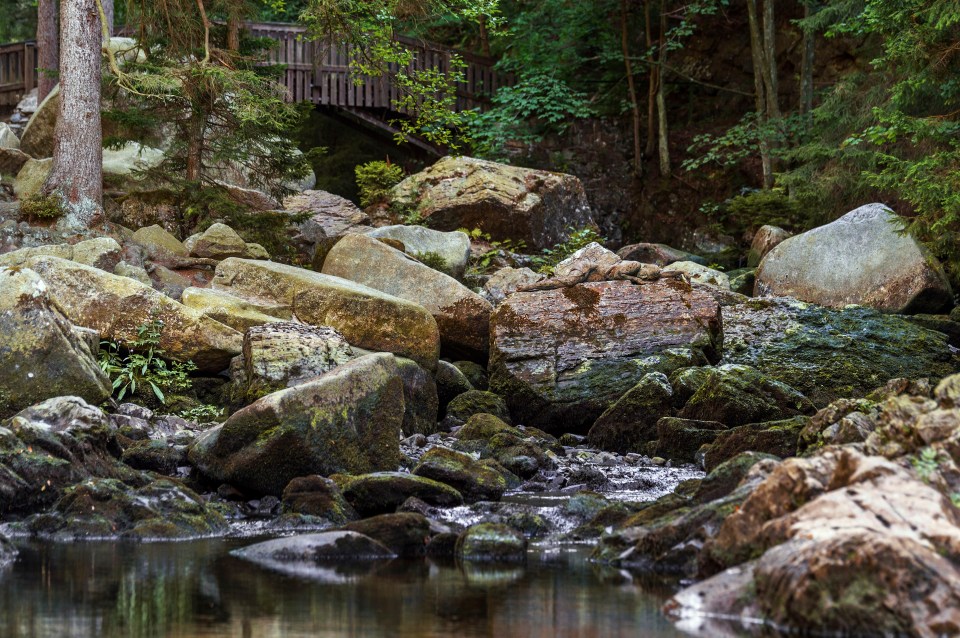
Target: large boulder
{"x": 117, "y": 306}
{"x": 366, "y": 317}
{"x": 765, "y": 240}
{"x": 30, "y": 178}
{"x": 219, "y": 241}
{"x": 659, "y": 254}
{"x": 284, "y": 354}
{"x": 236, "y": 312}
{"x": 462, "y": 316}
{"x": 508, "y": 202}
{"x": 563, "y": 356}
{"x": 447, "y": 252}
{"x": 8, "y": 139}
{"x": 11, "y": 161}
{"x": 102, "y": 252}
{"x": 862, "y": 258}
{"x": 330, "y": 216}
{"x": 303, "y": 555}
{"x": 43, "y": 355}
{"x": 830, "y": 354}
{"x": 347, "y": 420}
{"x": 846, "y": 543}
{"x": 37, "y": 138}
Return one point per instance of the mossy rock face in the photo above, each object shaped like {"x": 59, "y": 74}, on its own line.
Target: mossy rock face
{"x": 475, "y": 373}
{"x": 519, "y": 451}
{"x": 475, "y": 480}
{"x": 348, "y": 420}
{"x": 318, "y": 496}
{"x": 725, "y": 477}
{"x": 383, "y": 492}
{"x": 778, "y": 438}
{"x": 420, "y": 398}
{"x": 631, "y": 422}
{"x": 679, "y": 439}
{"x": 737, "y": 394}
{"x": 451, "y": 383}
{"x": 491, "y": 543}
{"x": 107, "y": 508}
{"x": 843, "y": 421}
{"x": 830, "y": 354}
{"x": 742, "y": 280}
{"x": 163, "y": 455}
{"x": 473, "y": 402}
{"x": 405, "y": 533}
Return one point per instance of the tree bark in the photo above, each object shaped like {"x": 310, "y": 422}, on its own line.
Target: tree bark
{"x": 760, "y": 87}
{"x": 76, "y": 176}
{"x": 770, "y": 55}
{"x": 663, "y": 140}
{"x": 108, "y": 13}
{"x": 654, "y": 82}
{"x": 631, "y": 89}
{"x": 484, "y": 36}
{"x": 806, "y": 66}
{"x": 234, "y": 21}
{"x": 48, "y": 47}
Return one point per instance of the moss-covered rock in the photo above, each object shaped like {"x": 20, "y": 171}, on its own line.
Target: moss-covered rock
{"x": 631, "y": 422}
{"x": 348, "y": 420}
{"x": 680, "y": 439}
{"x": 779, "y": 438}
{"x": 831, "y": 354}
{"x": 519, "y": 451}
{"x": 420, "y": 398}
{"x": 725, "y": 478}
{"x": 465, "y": 405}
{"x": 475, "y": 373}
{"x": 491, "y": 543}
{"x": 320, "y": 497}
{"x": 405, "y": 533}
{"x": 451, "y": 383}
{"x": 298, "y": 555}
{"x": 107, "y": 508}
{"x": 473, "y": 479}
{"x": 843, "y": 421}
{"x": 163, "y": 455}
{"x": 737, "y": 394}
{"x": 383, "y": 492}
{"x": 742, "y": 280}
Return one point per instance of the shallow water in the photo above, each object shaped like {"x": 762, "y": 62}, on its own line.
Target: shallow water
{"x": 198, "y": 589}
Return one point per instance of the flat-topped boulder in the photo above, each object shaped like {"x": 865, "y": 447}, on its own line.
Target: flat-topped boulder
{"x": 447, "y": 252}
{"x": 116, "y": 307}
{"x": 562, "y": 356}
{"x": 862, "y": 258}
{"x": 462, "y": 316}
{"x": 508, "y": 202}
{"x": 236, "y": 312}
{"x": 367, "y": 318}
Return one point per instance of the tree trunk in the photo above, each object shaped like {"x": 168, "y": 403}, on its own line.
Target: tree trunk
{"x": 234, "y": 21}
{"x": 770, "y": 55}
{"x": 484, "y": 36}
{"x": 759, "y": 85}
{"x": 48, "y": 47}
{"x": 76, "y": 177}
{"x": 632, "y": 90}
{"x": 662, "y": 98}
{"x": 806, "y": 66}
{"x": 654, "y": 82}
{"x": 195, "y": 146}
{"x": 108, "y": 13}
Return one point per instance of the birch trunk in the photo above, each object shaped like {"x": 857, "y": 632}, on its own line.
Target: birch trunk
{"x": 48, "y": 47}
{"x": 76, "y": 177}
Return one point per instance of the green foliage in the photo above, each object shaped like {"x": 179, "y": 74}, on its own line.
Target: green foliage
{"x": 140, "y": 364}
{"x": 432, "y": 259}
{"x": 927, "y": 463}
{"x": 42, "y": 208}
{"x": 499, "y": 251}
{"x": 765, "y": 207}
{"x": 375, "y": 178}
{"x": 203, "y": 413}
{"x": 578, "y": 238}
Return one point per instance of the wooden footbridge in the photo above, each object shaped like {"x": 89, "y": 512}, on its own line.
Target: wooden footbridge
{"x": 316, "y": 71}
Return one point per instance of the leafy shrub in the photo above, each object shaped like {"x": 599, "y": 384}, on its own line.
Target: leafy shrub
{"x": 434, "y": 260}
{"x": 203, "y": 413}
{"x": 374, "y": 179}
{"x": 499, "y": 250}
{"x": 578, "y": 238}
{"x": 766, "y": 207}
{"x": 142, "y": 366}
{"x": 40, "y": 208}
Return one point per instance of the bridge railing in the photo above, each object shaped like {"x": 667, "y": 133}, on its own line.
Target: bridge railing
{"x": 18, "y": 71}
{"x": 320, "y": 71}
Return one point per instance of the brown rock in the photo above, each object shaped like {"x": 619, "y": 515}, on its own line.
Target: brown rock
{"x": 765, "y": 240}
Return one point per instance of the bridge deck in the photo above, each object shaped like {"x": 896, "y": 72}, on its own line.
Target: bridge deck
{"x": 316, "y": 71}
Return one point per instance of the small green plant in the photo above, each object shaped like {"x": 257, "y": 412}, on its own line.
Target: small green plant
{"x": 498, "y": 249}
{"x": 202, "y": 413}
{"x": 578, "y": 238}
{"x": 142, "y": 365}
{"x": 40, "y": 208}
{"x": 434, "y": 260}
{"x": 375, "y": 178}
{"x": 758, "y": 208}
{"x": 927, "y": 463}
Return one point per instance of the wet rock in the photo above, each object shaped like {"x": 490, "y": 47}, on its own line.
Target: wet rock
{"x": 474, "y": 480}
{"x": 507, "y": 281}
{"x": 465, "y": 405}
{"x": 347, "y": 420}
{"x": 320, "y": 497}
{"x": 765, "y": 240}
{"x": 446, "y": 252}
{"x": 236, "y": 312}
{"x": 742, "y": 280}
{"x": 462, "y": 316}
{"x": 630, "y": 423}
{"x": 44, "y": 354}
{"x": 451, "y": 383}
{"x": 163, "y": 456}
{"x": 383, "y": 492}
{"x": 107, "y": 508}
{"x": 831, "y": 354}
{"x": 939, "y": 323}
{"x": 300, "y": 555}
{"x": 505, "y": 201}
{"x": 491, "y": 543}
{"x": 475, "y": 373}
{"x": 859, "y": 259}
{"x": 367, "y": 318}
{"x": 521, "y": 453}
{"x": 284, "y": 354}
{"x": 8, "y": 553}
{"x": 563, "y": 356}
{"x": 681, "y": 439}
{"x": 420, "y": 399}
{"x": 700, "y": 273}
{"x": 737, "y": 395}
{"x": 90, "y": 298}
{"x": 659, "y": 254}
{"x": 405, "y": 534}
{"x": 779, "y": 438}
{"x": 54, "y": 445}
{"x": 725, "y": 478}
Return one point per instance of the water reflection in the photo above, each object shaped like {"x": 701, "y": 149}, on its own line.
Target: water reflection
{"x": 197, "y": 589}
